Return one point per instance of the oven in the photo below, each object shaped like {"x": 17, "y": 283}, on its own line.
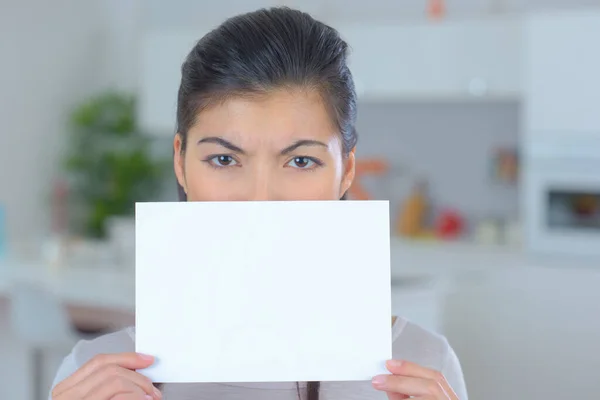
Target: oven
{"x": 561, "y": 195}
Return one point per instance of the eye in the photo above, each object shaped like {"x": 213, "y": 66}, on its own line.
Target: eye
{"x": 223, "y": 161}
{"x": 302, "y": 162}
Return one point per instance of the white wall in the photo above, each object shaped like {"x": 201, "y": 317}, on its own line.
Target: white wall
{"x": 54, "y": 55}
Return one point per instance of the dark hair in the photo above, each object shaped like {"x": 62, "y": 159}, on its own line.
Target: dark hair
{"x": 260, "y": 51}
{"x": 257, "y": 52}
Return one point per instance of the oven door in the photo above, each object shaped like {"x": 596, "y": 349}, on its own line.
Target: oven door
{"x": 562, "y": 210}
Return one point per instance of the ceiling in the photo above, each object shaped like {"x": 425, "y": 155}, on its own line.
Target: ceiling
{"x": 178, "y": 13}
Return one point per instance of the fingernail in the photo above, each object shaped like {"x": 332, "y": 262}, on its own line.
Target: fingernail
{"x": 157, "y": 393}
{"x": 379, "y": 381}
{"x": 395, "y": 363}
{"x": 145, "y": 357}
{"x": 148, "y": 397}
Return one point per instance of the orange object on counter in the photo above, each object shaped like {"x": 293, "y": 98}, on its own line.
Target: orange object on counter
{"x": 366, "y": 167}
{"x": 412, "y": 216}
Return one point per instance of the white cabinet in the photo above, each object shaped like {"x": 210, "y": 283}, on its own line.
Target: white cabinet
{"x": 426, "y": 61}
{"x": 433, "y": 61}
{"x": 511, "y": 330}
{"x": 562, "y": 64}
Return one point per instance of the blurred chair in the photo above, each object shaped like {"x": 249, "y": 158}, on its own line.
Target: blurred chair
{"x": 41, "y": 322}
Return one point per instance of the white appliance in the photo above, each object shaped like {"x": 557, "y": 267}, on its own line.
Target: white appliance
{"x": 561, "y": 126}
{"x": 561, "y": 203}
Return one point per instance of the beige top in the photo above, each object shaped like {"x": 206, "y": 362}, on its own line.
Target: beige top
{"x": 410, "y": 342}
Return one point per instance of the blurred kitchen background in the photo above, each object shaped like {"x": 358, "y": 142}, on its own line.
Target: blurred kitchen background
{"x": 478, "y": 119}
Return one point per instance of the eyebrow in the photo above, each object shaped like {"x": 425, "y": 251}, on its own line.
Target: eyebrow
{"x": 301, "y": 143}
{"x": 222, "y": 142}
{"x": 228, "y": 145}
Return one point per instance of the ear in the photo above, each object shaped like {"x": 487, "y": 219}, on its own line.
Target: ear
{"x": 178, "y": 161}
{"x": 349, "y": 171}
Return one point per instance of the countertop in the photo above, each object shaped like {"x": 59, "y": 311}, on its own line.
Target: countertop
{"x": 96, "y": 287}
{"x": 414, "y": 266}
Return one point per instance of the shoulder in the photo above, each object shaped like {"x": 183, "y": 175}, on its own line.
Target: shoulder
{"x": 117, "y": 342}
{"x": 414, "y": 343}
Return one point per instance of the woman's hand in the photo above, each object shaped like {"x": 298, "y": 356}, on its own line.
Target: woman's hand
{"x": 409, "y": 380}
{"x": 109, "y": 377}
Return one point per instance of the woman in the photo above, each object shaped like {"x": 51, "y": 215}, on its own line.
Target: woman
{"x": 266, "y": 111}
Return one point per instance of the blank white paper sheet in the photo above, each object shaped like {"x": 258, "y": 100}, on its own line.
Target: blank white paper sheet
{"x": 263, "y": 291}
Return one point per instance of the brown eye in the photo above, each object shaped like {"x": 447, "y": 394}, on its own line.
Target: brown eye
{"x": 223, "y": 161}
{"x": 302, "y": 163}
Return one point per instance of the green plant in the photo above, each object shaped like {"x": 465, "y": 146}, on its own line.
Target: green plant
{"x": 109, "y": 162}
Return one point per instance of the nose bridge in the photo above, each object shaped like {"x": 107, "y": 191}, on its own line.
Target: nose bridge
{"x": 261, "y": 183}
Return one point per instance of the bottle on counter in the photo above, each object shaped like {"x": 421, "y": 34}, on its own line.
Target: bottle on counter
{"x": 411, "y": 220}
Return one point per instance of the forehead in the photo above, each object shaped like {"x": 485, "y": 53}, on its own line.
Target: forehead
{"x": 279, "y": 117}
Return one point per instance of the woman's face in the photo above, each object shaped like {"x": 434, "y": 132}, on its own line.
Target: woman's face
{"x": 281, "y": 146}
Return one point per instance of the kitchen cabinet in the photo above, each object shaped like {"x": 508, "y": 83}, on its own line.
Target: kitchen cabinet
{"x": 561, "y": 64}
{"x": 454, "y": 60}
{"x": 514, "y": 330}
{"x": 445, "y": 61}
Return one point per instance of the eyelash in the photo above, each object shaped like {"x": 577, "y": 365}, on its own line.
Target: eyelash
{"x": 317, "y": 162}
{"x": 209, "y": 161}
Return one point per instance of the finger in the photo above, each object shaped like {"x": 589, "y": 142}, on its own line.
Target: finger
{"x": 397, "y": 396}
{"x": 117, "y": 387}
{"x": 92, "y": 381}
{"x": 409, "y": 386}
{"x": 407, "y": 368}
{"x": 125, "y": 360}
